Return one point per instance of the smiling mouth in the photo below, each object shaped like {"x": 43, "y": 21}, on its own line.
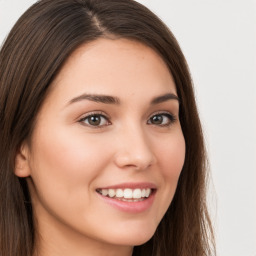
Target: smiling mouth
{"x": 127, "y": 194}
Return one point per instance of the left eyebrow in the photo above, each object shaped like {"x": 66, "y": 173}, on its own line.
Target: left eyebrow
{"x": 106, "y": 99}
{"x": 96, "y": 98}
{"x": 165, "y": 97}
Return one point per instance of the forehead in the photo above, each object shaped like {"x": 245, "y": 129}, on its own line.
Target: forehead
{"x": 114, "y": 66}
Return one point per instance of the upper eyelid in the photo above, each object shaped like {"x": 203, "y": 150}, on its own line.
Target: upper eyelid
{"x": 103, "y": 114}
{"x": 162, "y": 113}
{"x": 92, "y": 113}
{"x": 82, "y": 119}
{"x": 173, "y": 118}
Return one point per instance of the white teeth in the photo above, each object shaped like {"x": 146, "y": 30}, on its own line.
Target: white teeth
{"x": 119, "y": 193}
{"x": 136, "y": 193}
{"x": 126, "y": 193}
{"x": 111, "y": 192}
{"x": 148, "y": 190}
{"x": 104, "y": 192}
{"x": 143, "y": 192}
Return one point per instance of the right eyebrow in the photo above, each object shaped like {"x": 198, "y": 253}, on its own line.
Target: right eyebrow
{"x": 106, "y": 99}
{"x": 165, "y": 97}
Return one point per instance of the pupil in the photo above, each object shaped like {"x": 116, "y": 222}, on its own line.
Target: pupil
{"x": 157, "y": 119}
{"x": 94, "y": 120}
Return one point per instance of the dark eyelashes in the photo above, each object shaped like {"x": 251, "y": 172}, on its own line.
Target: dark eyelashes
{"x": 170, "y": 116}
{"x": 95, "y": 120}
{"x": 100, "y": 119}
{"x": 157, "y": 119}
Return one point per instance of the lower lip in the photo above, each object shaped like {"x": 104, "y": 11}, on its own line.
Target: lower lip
{"x": 130, "y": 207}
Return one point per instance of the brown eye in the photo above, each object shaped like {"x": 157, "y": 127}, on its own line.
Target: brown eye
{"x": 164, "y": 119}
{"x": 158, "y": 119}
{"x": 95, "y": 120}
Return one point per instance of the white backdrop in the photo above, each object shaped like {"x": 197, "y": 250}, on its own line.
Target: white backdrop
{"x": 218, "y": 38}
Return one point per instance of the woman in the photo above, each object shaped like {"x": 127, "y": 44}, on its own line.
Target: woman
{"x": 101, "y": 146}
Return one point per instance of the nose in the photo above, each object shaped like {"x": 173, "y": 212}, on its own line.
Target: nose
{"x": 134, "y": 150}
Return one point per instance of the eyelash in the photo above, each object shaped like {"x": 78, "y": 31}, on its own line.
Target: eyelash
{"x": 170, "y": 121}
{"x": 95, "y": 114}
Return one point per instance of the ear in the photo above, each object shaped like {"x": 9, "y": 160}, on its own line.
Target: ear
{"x": 22, "y": 168}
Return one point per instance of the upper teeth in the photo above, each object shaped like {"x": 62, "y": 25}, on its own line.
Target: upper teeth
{"x": 126, "y": 193}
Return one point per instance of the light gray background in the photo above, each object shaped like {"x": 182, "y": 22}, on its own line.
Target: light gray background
{"x": 218, "y": 38}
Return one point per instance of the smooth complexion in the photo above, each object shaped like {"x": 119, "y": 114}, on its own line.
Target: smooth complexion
{"x": 110, "y": 120}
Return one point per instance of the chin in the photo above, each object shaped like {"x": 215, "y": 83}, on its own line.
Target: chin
{"x": 131, "y": 238}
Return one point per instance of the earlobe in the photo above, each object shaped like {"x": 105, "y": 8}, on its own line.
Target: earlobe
{"x": 22, "y": 168}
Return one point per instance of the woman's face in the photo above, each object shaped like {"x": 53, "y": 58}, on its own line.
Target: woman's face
{"x": 107, "y": 148}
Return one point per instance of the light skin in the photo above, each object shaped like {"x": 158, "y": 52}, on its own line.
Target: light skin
{"x": 111, "y": 117}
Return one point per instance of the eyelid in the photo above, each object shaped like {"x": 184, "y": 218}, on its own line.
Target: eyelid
{"x": 173, "y": 118}
{"x": 94, "y": 113}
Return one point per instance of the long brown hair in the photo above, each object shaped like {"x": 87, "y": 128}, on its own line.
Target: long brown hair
{"x": 31, "y": 57}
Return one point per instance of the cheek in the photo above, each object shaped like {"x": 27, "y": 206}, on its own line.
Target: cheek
{"x": 172, "y": 156}
{"x": 66, "y": 159}
{"x": 64, "y": 168}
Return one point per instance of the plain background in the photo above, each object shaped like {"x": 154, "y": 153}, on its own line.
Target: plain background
{"x": 218, "y": 38}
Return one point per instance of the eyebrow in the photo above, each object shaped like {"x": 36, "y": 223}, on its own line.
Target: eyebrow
{"x": 165, "y": 97}
{"x": 106, "y": 99}
{"x": 96, "y": 98}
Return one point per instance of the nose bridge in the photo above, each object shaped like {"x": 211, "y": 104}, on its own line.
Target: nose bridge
{"x": 134, "y": 148}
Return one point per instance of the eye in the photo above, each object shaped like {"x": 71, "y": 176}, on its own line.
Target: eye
{"x": 162, "y": 119}
{"x": 95, "y": 120}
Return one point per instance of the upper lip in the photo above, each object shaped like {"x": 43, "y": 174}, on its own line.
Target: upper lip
{"x": 131, "y": 185}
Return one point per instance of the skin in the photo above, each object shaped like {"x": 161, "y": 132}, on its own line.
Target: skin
{"x": 67, "y": 158}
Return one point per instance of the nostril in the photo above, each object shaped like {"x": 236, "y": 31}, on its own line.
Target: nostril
{"x": 130, "y": 162}
{"x": 134, "y": 150}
